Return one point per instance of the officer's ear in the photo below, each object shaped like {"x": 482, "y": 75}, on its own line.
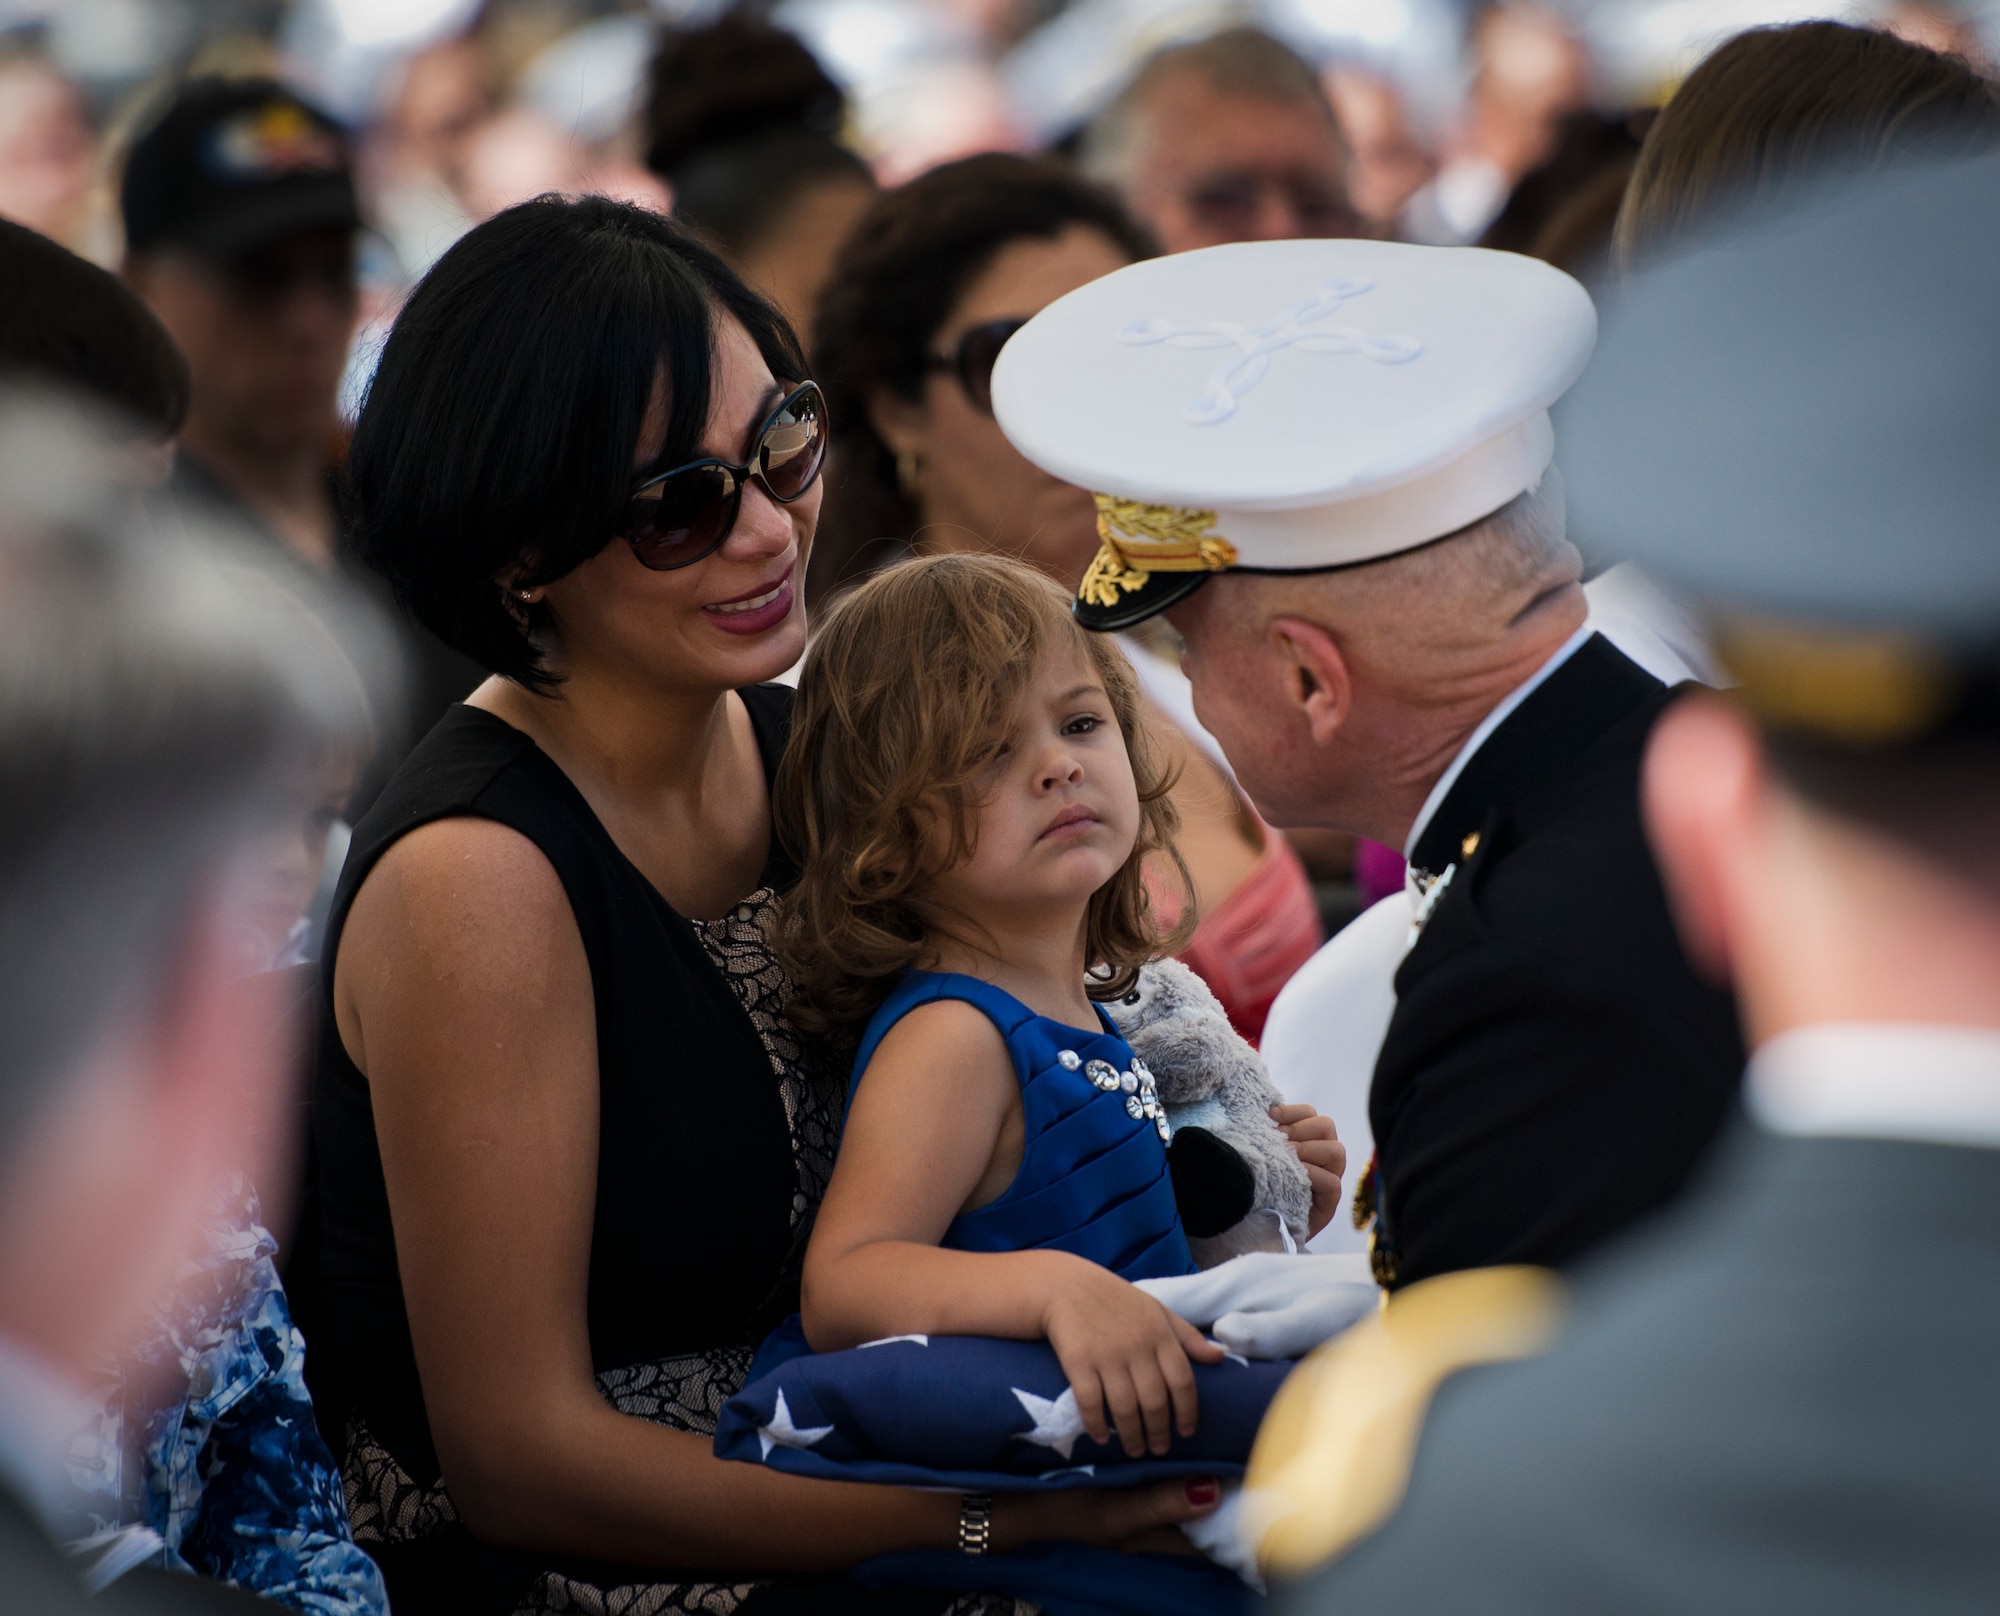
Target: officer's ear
{"x": 1315, "y": 674}
{"x": 1703, "y": 792}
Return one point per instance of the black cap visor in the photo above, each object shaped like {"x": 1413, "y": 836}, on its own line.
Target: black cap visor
{"x": 234, "y": 226}
{"x": 1159, "y": 591}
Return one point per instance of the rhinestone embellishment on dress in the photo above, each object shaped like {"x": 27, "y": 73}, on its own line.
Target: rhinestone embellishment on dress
{"x": 1136, "y": 1084}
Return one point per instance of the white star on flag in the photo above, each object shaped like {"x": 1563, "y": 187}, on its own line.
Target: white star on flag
{"x": 1057, "y": 1423}
{"x": 782, "y": 1433}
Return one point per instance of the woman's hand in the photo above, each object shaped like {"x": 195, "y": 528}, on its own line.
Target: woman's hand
{"x": 1125, "y": 1355}
{"x": 1319, "y": 1148}
{"x": 1133, "y": 1519}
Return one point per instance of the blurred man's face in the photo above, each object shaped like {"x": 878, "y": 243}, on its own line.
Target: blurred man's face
{"x": 1209, "y": 167}
{"x": 266, "y": 335}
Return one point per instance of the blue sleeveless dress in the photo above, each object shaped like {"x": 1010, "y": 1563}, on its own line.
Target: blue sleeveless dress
{"x": 1093, "y": 1178}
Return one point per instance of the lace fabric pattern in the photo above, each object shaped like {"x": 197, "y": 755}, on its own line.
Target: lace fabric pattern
{"x": 384, "y": 1504}
{"x": 806, "y": 1070}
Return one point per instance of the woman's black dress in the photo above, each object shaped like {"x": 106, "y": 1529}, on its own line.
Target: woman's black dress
{"x": 716, "y": 1138}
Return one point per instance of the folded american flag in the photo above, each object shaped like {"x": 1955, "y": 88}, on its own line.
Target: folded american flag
{"x": 967, "y": 1412}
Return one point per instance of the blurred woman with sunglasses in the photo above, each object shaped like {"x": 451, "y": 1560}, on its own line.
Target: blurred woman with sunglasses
{"x": 936, "y": 277}
{"x": 568, "y": 1151}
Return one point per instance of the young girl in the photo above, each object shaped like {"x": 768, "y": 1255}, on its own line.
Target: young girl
{"x": 970, "y": 796}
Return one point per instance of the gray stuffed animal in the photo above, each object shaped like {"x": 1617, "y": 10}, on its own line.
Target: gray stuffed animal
{"x": 1209, "y": 1077}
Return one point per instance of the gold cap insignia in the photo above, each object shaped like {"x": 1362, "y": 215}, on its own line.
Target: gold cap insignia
{"x": 1135, "y": 539}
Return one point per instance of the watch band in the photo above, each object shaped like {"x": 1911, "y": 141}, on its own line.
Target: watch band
{"x": 975, "y": 1523}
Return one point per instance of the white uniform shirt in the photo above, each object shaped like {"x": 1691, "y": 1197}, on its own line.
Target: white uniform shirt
{"x": 1880, "y": 1080}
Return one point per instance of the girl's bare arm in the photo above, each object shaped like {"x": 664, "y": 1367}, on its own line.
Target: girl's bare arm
{"x": 920, "y": 1139}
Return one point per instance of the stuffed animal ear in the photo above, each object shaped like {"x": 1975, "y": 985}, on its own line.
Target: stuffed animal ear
{"x": 1185, "y": 988}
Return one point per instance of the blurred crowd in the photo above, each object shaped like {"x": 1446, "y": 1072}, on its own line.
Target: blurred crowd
{"x": 211, "y": 215}
{"x": 771, "y": 130}
{"x": 1450, "y": 122}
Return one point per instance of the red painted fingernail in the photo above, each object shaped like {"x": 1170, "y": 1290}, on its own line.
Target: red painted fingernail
{"x": 1203, "y": 1493}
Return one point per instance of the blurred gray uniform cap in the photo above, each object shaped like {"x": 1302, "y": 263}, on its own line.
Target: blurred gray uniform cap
{"x": 1799, "y": 425}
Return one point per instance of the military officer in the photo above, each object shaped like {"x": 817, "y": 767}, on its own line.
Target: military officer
{"x": 1785, "y": 1400}
{"x": 1330, "y": 463}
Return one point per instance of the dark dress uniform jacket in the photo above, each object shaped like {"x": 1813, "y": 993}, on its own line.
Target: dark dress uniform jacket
{"x": 1555, "y": 1069}
{"x": 1784, "y": 1402}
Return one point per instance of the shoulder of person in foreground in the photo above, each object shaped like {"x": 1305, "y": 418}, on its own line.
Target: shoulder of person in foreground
{"x": 1668, "y": 1411}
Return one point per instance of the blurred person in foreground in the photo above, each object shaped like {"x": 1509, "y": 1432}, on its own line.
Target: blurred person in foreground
{"x": 1783, "y": 1401}
{"x": 1359, "y": 535}
{"x": 744, "y": 125}
{"x": 1230, "y": 138}
{"x": 205, "y": 1455}
{"x": 157, "y": 706}
{"x": 1773, "y": 108}
{"x": 202, "y": 1454}
{"x": 240, "y": 226}
{"x": 68, "y": 322}
{"x": 936, "y": 278}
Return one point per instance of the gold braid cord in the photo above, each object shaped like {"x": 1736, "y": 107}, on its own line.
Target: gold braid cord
{"x": 1135, "y": 539}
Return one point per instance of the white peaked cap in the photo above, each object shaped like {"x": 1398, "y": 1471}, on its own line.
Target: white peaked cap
{"x": 1290, "y": 405}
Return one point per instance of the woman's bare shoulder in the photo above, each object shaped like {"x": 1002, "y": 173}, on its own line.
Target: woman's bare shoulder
{"x": 459, "y": 874}
{"x": 462, "y": 911}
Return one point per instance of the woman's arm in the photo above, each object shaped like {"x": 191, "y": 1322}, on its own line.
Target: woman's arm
{"x": 919, "y": 1144}
{"x": 463, "y": 993}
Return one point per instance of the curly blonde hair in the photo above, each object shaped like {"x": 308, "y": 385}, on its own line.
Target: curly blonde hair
{"x": 909, "y": 678}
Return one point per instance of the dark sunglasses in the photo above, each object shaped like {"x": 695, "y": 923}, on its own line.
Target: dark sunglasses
{"x": 687, "y": 514}
{"x": 971, "y": 359}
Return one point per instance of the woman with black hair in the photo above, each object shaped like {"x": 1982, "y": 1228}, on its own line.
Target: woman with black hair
{"x": 569, "y": 1151}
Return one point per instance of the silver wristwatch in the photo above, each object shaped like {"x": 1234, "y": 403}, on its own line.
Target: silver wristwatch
{"x": 975, "y": 1523}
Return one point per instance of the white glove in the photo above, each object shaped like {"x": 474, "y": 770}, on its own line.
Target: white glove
{"x": 1292, "y": 1332}
{"x": 1268, "y": 1304}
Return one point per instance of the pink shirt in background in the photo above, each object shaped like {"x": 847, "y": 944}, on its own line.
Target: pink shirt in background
{"x": 1378, "y": 871}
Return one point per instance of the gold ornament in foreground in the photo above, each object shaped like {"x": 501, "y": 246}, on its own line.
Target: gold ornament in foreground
{"x": 1135, "y": 539}
{"x": 1857, "y": 687}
